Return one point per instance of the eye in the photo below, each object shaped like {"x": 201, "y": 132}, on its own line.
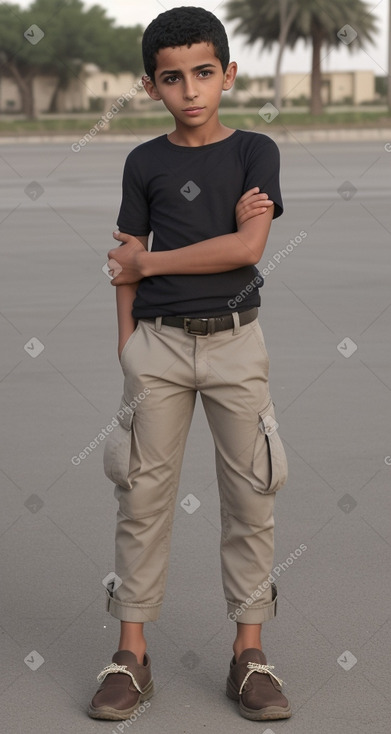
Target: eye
{"x": 171, "y": 79}
{"x": 206, "y": 71}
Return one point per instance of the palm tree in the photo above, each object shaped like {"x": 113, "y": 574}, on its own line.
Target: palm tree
{"x": 266, "y": 22}
{"x": 317, "y": 21}
{"x": 322, "y": 23}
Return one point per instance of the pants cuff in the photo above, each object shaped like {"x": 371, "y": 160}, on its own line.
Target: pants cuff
{"x": 249, "y": 613}
{"x": 132, "y": 612}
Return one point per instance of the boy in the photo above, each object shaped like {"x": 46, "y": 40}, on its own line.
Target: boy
{"x": 187, "y": 319}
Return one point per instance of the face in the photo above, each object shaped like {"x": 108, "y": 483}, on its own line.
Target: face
{"x": 190, "y": 81}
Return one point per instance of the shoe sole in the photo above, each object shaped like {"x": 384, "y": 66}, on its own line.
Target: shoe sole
{"x": 269, "y": 713}
{"x": 111, "y": 714}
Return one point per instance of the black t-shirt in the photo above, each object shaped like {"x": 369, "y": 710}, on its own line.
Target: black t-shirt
{"x": 188, "y": 194}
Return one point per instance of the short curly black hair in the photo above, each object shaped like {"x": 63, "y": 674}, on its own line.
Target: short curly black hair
{"x": 182, "y": 27}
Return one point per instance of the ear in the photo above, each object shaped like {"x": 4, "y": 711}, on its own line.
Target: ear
{"x": 230, "y": 75}
{"x": 150, "y": 88}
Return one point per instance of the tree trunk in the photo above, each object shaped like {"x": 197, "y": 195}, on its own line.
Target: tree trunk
{"x": 316, "y": 75}
{"x": 286, "y": 20}
{"x": 53, "y": 106}
{"x": 25, "y": 86}
{"x": 277, "y": 79}
{"x": 28, "y": 104}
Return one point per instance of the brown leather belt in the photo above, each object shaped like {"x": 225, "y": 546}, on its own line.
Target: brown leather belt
{"x": 204, "y": 326}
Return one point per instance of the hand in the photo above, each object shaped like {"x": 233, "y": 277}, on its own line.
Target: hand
{"x": 114, "y": 268}
{"x": 125, "y": 261}
{"x": 124, "y": 334}
{"x": 121, "y": 343}
{"x": 251, "y": 204}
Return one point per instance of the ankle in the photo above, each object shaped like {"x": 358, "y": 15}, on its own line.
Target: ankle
{"x": 247, "y": 636}
{"x": 132, "y": 639}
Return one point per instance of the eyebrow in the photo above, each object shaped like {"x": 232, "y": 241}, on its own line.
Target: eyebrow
{"x": 195, "y": 68}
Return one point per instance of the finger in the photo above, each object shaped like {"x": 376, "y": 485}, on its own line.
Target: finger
{"x": 114, "y": 267}
{"x": 120, "y": 236}
{"x": 117, "y": 280}
{"x": 260, "y": 207}
{"x": 112, "y": 254}
{"x": 259, "y": 197}
{"x": 267, "y": 202}
{"x": 251, "y": 213}
{"x": 249, "y": 193}
{"x": 251, "y": 204}
{"x": 262, "y": 196}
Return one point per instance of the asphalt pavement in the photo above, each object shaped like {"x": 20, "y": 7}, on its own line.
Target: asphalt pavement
{"x": 326, "y": 318}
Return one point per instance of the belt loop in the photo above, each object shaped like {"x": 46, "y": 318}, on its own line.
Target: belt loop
{"x": 236, "y": 321}
{"x": 158, "y": 323}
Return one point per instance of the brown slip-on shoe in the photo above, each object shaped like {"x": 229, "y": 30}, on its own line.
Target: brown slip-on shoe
{"x": 257, "y": 689}
{"x": 124, "y": 685}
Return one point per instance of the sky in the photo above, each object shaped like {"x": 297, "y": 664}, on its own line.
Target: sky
{"x": 250, "y": 60}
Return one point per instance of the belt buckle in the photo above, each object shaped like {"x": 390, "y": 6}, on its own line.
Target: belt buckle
{"x": 195, "y": 332}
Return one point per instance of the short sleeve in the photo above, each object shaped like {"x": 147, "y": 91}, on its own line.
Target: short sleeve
{"x": 133, "y": 217}
{"x": 263, "y": 170}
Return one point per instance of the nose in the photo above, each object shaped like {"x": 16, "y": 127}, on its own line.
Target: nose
{"x": 189, "y": 90}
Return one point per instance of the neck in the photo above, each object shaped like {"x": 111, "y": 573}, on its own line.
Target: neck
{"x": 203, "y": 135}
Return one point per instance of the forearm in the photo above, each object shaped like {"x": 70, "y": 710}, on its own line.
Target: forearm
{"x": 216, "y": 255}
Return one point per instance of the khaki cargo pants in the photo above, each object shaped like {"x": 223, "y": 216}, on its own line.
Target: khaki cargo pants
{"x": 164, "y": 367}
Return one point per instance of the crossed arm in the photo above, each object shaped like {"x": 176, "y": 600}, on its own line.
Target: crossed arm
{"x": 131, "y": 262}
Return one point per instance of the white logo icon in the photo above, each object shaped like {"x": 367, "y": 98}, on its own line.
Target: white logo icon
{"x": 347, "y": 347}
{"x": 34, "y": 660}
{"x": 347, "y": 660}
{"x": 34, "y": 34}
{"x": 268, "y": 112}
{"x": 347, "y": 34}
{"x": 111, "y": 582}
{"x": 190, "y": 503}
{"x": 34, "y": 347}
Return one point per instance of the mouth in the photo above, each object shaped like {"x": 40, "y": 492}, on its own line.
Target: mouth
{"x": 193, "y": 109}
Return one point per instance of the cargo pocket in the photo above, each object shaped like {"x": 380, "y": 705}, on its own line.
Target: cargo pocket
{"x": 270, "y": 466}
{"x": 116, "y": 455}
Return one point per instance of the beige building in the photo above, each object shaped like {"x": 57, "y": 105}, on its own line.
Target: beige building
{"x": 91, "y": 85}
{"x": 255, "y": 89}
{"x": 352, "y": 87}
